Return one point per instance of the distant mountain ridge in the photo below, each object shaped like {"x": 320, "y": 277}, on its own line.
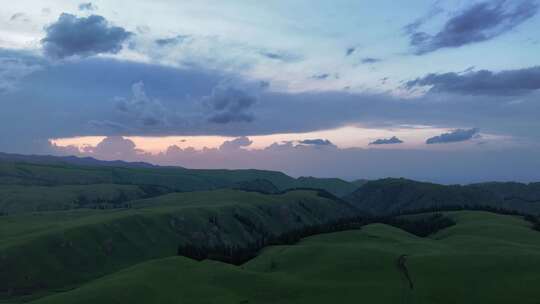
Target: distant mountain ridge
{"x": 398, "y": 195}
{"x": 72, "y": 160}
{"x": 379, "y": 197}
{"x": 38, "y": 170}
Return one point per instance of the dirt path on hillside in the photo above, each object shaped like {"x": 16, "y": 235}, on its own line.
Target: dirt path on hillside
{"x": 402, "y": 267}
{"x": 408, "y": 285}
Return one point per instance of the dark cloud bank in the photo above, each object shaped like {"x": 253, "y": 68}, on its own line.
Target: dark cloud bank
{"x": 140, "y": 108}
{"x": 510, "y": 82}
{"x": 479, "y": 22}
{"x": 88, "y": 89}
{"x": 228, "y": 104}
{"x": 97, "y": 96}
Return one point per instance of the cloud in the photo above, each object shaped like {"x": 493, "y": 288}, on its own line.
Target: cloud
{"x": 227, "y": 104}
{"x": 281, "y": 56}
{"x": 452, "y": 166}
{"x": 235, "y": 144}
{"x": 434, "y": 10}
{"x": 113, "y": 148}
{"x": 77, "y": 98}
{"x": 19, "y": 17}
{"x": 387, "y": 141}
{"x": 370, "y": 60}
{"x": 147, "y": 111}
{"x": 88, "y": 6}
{"x": 280, "y": 146}
{"x": 505, "y": 83}
{"x": 320, "y": 76}
{"x": 316, "y": 142}
{"x": 109, "y": 126}
{"x": 172, "y": 40}
{"x": 263, "y": 84}
{"x": 14, "y": 68}
{"x": 84, "y": 36}
{"x": 140, "y": 114}
{"x": 457, "y": 135}
{"x": 479, "y": 22}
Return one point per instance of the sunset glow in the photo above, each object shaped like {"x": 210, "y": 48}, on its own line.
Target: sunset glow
{"x": 346, "y": 137}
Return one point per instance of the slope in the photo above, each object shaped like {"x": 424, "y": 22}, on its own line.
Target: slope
{"x": 467, "y": 263}
{"x": 398, "y": 195}
{"x": 57, "y": 171}
{"x": 45, "y": 251}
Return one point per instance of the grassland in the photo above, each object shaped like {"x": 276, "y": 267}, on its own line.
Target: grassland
{"x": 99, "y": 232}
{"x": 16, "y": 199}
{"x": 51, "y": 250}
{"x": 174, "y": 179}
{"x": 485, "y": 258}
{"x": 398, "y": 195}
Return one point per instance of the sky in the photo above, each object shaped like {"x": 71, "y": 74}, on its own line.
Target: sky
{"x": 443, "y": 91}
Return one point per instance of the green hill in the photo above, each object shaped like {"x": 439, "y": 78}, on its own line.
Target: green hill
{"x": 397, "y": 195}
{"x": 484, "y": 258}
{"x": 21, "y": 199}
{"x": 336, "y": 186}
{"x": 51, "y": 171}
{"x": 175, "y": 178}
{"x": 46, "y": 251}
{"x": 85, "y": 231}
{"x": 257, "y": 185}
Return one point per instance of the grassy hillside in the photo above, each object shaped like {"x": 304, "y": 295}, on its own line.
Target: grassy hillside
{"x": 20, "y": 199}
{"x": 47, "y": 251}
{"x": 391, "y": 195}
{"x": 336, "y": 186}
{"x": 485, "y": 258}
{"x": 257, "y": 185}
{"x": 512, "y": 193}
{"x": 177, "y": 179}
{"x": 85, "y": 231}
{"x": 51, "y": 171}
{"x": 70, "y": 160}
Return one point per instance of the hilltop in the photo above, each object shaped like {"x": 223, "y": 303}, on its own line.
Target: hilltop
{"x": 398, "y": 195}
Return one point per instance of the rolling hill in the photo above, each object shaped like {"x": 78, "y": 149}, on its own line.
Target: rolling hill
{"x": 60, "y": 171}
{"x": 52, "y": 250}
{"x": 398, "y": 195}
{"x": 466, "y": 263}
{"x": 16, "y": 199}
{"x": 86, "y": 231}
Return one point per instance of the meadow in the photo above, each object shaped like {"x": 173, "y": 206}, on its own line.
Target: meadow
{"x": 484, "y": 258}
{"x": 134, "y": 233}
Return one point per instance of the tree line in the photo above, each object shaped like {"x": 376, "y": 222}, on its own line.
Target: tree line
{"x": 238, "y": 254}
{"x": 421, "y": 226}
